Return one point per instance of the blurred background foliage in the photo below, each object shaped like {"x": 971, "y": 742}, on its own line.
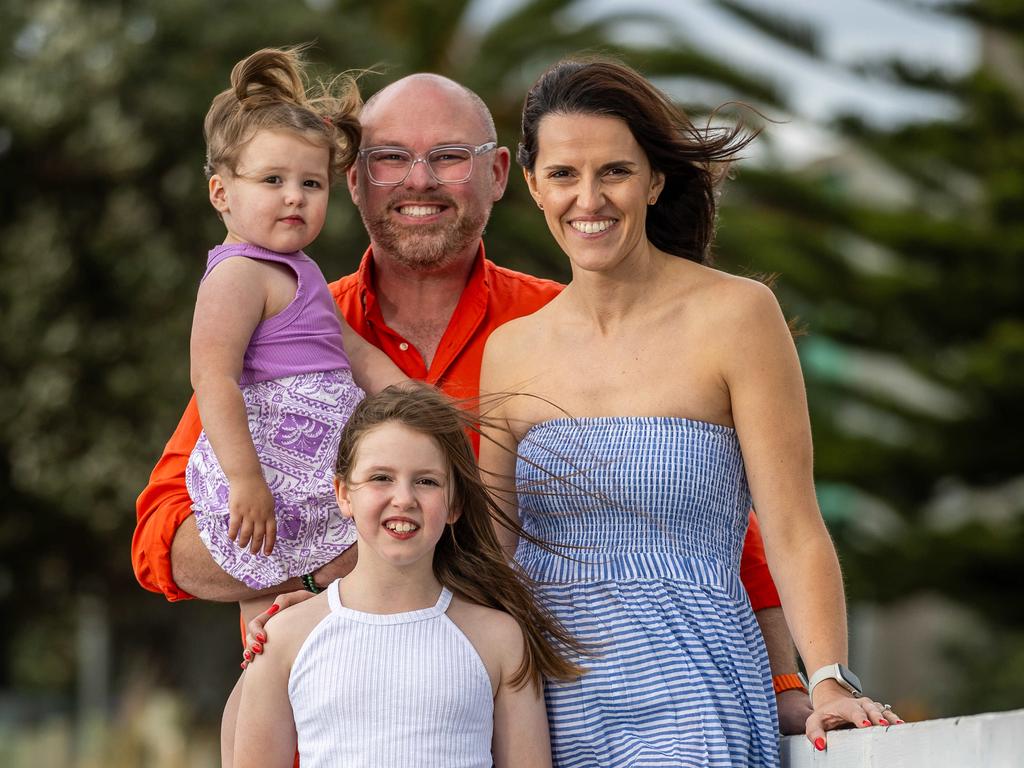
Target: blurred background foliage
{"x": 899, "y": 250}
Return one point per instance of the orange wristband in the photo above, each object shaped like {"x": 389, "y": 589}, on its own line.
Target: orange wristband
{"x": 788, "y": 683}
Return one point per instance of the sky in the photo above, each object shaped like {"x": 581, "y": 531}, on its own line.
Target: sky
{"x": 850, "y": 31}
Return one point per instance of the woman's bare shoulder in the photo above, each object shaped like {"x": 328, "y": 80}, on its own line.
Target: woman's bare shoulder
{"x": 515, "y": 332}
{"x": 722, "y": 296}
{"x": 511, "y": 352}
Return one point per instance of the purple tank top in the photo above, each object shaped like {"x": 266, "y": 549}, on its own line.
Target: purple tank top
{"x": 305, "y": 336}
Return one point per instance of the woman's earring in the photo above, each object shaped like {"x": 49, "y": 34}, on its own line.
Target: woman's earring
{"x": 541, "y": 206}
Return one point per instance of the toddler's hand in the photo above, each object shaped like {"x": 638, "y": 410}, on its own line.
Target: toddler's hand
{"x": 251, "y": 508}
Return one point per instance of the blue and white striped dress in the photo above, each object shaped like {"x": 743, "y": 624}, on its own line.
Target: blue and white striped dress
{"x": 653, "y": 513}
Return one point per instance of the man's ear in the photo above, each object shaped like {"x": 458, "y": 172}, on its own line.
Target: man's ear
{"x": 341, "y": 494}
{"x": 499, "y": 172}
{"x": 218, "y": 194}
{"x": 352, "y": 178}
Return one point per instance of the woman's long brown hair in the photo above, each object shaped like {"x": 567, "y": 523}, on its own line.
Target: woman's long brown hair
{"x": 693, "y": 159}
{"x": 468, "y": 558}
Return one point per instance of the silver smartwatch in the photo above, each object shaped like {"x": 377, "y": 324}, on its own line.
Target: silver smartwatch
{"x": 838, "y": 672}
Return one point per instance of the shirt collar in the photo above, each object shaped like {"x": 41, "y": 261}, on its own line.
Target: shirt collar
{"x": 477, "y": 286}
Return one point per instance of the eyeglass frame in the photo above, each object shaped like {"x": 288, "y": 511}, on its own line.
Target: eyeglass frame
{"x": 475, "y": 151}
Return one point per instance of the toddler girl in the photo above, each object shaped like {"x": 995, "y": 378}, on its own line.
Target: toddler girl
{"x": 273, "y": 382}
{"x": 431, "y": 651}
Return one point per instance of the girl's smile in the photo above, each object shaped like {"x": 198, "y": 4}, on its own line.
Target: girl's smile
{"x": 398, "y": 495}
{"x": 400, "y": 528}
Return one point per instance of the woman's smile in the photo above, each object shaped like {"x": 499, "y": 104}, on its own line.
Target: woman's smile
{"x": 594, "y": 183}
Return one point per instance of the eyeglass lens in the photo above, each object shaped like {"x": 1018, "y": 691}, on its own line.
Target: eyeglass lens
{"x": 451, "y": 165}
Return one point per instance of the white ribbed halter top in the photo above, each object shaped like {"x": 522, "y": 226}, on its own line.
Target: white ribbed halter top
{"x": 399, "y": 689}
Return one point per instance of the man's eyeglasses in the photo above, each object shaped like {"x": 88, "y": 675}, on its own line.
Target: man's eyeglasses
{"x": 450, "y": 164}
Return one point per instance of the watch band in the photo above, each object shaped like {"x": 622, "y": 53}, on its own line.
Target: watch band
{"x": 838, "y": 672}
{"x": 791, "y": 682}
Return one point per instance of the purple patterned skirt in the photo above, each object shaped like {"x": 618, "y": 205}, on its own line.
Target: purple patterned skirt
{"x": 296, "y": 424}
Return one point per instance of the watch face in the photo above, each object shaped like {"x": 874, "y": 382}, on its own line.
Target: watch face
{"x": 850, "y": 679}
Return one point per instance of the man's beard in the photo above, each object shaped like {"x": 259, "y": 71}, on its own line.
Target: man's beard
{"x": 426, "y": 247}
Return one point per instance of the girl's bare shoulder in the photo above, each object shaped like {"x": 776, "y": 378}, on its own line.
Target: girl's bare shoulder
{"x": 289, "y": 629}
{"x": 496, "y": 636}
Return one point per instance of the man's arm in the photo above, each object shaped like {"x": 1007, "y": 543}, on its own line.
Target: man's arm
{"x": 161, "y": 508}
{"x": 794, "y": 705}
{"x": 754, "y": 573}
{"x": 195, "y": 571}
{"x": 371, "y": 368}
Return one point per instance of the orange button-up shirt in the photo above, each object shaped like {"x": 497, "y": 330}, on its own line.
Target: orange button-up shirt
{"x": 493, "y": 295}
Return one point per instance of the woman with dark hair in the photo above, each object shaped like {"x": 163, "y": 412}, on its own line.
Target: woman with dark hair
{"x": 685, "y": 401}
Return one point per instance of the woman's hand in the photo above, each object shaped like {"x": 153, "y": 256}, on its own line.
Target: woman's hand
{"x": 255, "y": 632}
{"x": 841, "y": 710}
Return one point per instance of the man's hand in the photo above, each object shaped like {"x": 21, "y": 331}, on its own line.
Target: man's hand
{"x": 794, "y": 708}
{"x": 251, "y": 506}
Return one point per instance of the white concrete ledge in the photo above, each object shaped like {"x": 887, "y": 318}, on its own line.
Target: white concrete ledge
{"x": 994, "y": 740}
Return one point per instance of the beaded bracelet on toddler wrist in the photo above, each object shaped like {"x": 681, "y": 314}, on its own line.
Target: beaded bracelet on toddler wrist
{"x": 310, "y": 584}
{"x": 791, "y": 682}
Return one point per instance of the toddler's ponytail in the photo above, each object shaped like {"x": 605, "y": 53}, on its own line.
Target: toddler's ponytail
{"x": 269, "y": 92}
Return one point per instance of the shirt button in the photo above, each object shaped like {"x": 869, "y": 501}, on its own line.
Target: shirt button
{"x": 403, "y": 346}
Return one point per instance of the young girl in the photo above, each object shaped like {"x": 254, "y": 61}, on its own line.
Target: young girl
{"x": 431, "y": 651}
{"x": 272, "y": 378}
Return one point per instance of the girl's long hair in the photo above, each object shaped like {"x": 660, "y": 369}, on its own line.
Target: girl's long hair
{"x": 269, "y": 92}
{"x": 468, "y": 558}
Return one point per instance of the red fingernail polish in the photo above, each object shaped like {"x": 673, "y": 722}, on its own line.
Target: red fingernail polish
{"x": 261, "y": 637}
{"x": 273, "y": 609}
{"x": 819, "y": 744}
{"x": 242, "y": 665}
{"x": 247, "y": 654}
{"x": 899, "y": 722}
{"x": 257, "y": 648}
{"x": 865, "y": 722}
{"x": 883, "y": 722}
